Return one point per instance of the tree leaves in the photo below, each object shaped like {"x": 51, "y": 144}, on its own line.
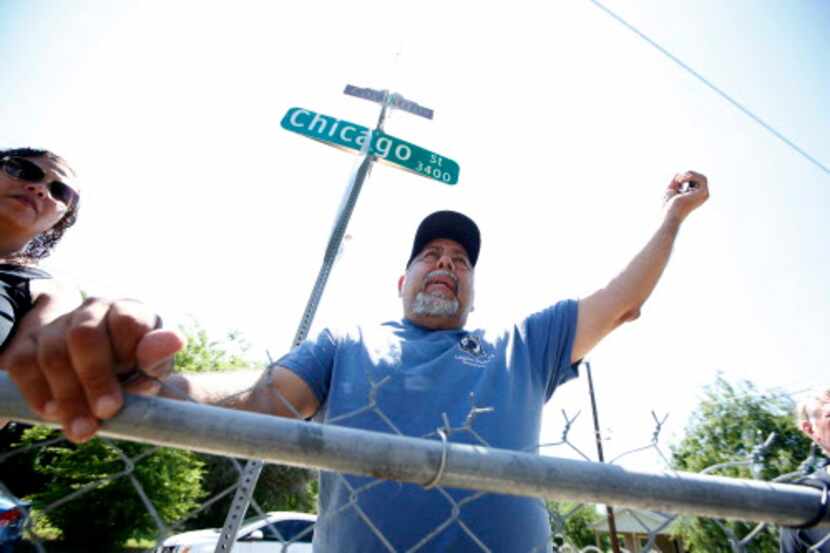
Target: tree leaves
{"x": 729, "y": 424}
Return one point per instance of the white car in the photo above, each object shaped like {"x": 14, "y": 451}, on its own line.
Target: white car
{"x": 275, "y": 532}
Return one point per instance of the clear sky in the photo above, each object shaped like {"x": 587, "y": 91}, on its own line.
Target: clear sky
{"x": 566, "y": 126}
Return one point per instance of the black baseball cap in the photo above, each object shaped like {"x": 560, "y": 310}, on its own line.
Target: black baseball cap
{"x": 450, "y": 225}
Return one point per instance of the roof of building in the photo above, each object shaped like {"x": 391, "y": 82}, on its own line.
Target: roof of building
{"x": 632, "y": 521}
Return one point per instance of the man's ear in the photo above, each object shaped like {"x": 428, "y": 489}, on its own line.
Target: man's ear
{"x": 807, "y": 428}
{"x": 400, "y": 285}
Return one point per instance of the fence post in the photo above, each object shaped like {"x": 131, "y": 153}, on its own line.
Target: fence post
{"x": 609, "y": 511}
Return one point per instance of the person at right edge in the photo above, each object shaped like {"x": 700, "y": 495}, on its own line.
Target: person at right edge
{"x": 813, "y": 419}
{"x": 431, "y": 371}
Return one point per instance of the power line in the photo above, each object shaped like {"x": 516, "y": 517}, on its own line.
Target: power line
{"x": 723, "y": 94}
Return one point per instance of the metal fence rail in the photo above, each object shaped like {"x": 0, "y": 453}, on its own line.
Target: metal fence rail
{"x": 306, "y": 444}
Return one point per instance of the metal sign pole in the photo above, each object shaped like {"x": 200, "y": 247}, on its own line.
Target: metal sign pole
{"x": 252, "y": 470}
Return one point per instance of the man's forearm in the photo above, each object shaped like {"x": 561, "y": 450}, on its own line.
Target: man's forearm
{"x": 236, "y": 390}
{"x": 632, "y": 287}
{"x": 272, "y": 392}
{"x": 620, "y": 301}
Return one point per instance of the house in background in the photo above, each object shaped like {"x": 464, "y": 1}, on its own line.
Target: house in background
{"x": 634, "y": 528}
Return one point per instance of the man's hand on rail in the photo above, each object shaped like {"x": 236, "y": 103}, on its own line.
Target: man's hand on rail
{"x": 70, "y": 371}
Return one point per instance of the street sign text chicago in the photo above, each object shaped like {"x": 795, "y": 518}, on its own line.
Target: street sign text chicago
{"x": 344, "y": 134}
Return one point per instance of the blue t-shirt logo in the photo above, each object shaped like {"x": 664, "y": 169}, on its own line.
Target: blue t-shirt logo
{"x": 473, "y": 354}
{"x": 471, "y": 345}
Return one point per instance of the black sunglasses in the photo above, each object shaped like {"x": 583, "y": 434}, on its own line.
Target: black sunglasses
{"x": 29, "y": 171}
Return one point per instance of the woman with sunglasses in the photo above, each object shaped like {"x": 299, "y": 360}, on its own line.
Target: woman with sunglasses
{"x": 37, "y": 204}
{"x": 36, "y": 207}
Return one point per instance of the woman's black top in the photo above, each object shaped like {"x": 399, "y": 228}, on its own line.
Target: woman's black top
{"x": 15, "y": 297}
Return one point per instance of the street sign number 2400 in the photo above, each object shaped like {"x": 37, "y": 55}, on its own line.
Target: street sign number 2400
{"x": 344, "y": 134}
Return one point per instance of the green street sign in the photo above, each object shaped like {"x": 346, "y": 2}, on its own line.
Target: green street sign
{"x": 343, "y": 134}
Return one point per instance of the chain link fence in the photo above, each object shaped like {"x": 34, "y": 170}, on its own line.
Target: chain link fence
{"x": 151, "y": 437}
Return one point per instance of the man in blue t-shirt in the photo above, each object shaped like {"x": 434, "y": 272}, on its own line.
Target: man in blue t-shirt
{"x": 424, "y": 375}
{"x": 428, "y": 381}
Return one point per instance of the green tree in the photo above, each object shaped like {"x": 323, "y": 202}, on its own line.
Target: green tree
{"x": 18, "y": 461}
{"x": 203, "y": 354}
{"x": 728, "y": 425}
{"x": 106, "y": 476}
{"x": 573, "y": 522}
{"x": 279, "y": 488}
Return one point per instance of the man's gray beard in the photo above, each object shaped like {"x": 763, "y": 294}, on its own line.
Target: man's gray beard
{"x": 434, "y": 306}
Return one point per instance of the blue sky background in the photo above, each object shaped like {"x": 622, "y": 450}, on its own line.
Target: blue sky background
{"x": 566, "y": 125}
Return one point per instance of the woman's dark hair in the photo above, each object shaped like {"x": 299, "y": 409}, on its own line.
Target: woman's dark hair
{"x": 41, "y": 245}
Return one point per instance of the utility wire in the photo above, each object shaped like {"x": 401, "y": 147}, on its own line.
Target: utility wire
{"x": 723, "y": 94}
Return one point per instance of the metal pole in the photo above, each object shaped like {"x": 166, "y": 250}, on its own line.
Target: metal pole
{"x": 609, "y": 511}
{"x": 253, "y": 469}
{"x": 285, "y": 441}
